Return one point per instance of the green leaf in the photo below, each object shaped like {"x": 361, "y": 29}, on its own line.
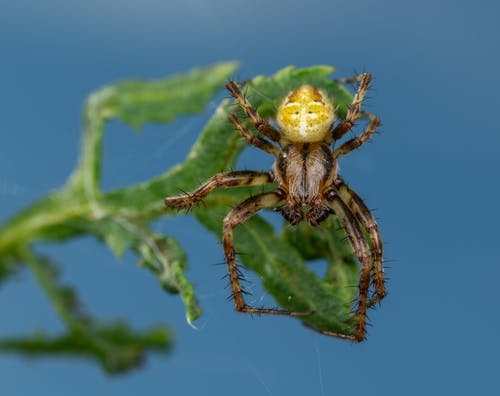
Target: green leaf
{"x": 81, "y": 208}
{"x": 167, "y": 260}
{"x": 137, "y": 102}
{"x": 122, "y": 218}
{"x": 328, "y": 242}
{"x": 113, "y": 345}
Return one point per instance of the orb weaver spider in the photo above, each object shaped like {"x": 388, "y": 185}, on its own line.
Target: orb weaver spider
{"x": 309, "y": 186}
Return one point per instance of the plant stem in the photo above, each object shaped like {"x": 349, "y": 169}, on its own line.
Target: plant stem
{"x": 44, "y": 278}
{"x": 30, "y": 225}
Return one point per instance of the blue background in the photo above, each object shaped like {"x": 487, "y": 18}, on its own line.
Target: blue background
{"x": 432, "y": 175}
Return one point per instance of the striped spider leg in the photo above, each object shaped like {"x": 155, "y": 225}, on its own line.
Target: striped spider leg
{"x": 365, "y": 218}
{"x": 237, "y": 216}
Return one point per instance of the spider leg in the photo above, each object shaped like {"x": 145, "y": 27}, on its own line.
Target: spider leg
{"x": 229, "y": 179}
{"x": 364, "y": 216}
{"x": 345, "y": 125}
{"x": 263, "y": 144}
{"x": 237, "y": 216}
{"x": 350, "y": 80}
{"x": 261, "y": 125}
{"x": 362, "y": 251}
{"x": 354, "y": 143}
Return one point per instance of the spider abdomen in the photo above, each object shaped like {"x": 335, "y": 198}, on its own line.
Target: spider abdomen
{"x": 305, "y": 115}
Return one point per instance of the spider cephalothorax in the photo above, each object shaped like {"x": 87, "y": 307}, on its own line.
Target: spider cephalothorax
{"x": 309, "y": 187}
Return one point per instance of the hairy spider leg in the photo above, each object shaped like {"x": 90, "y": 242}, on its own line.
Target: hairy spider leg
{"x": 258, "y": 142}
{"x": 364, "y": 216}
{"x": 261, "y": 125}
{"x": 237, "y": 216}
{"x": 357, "y": 141}
{"x": 345, "y": 125}
{"x": 362, "y": 251}
{"x": 228, "y": 179}
{"x": 350, "y": 80}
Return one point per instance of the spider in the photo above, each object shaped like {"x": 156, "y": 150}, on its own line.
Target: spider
{"x": 309, "y": 187}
